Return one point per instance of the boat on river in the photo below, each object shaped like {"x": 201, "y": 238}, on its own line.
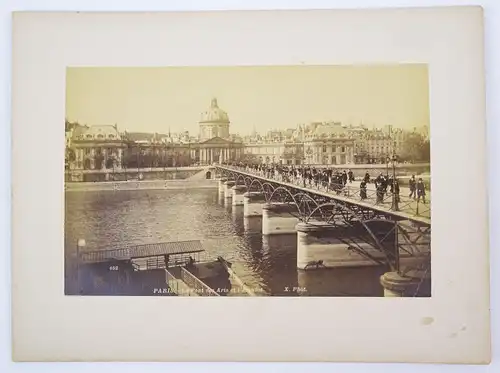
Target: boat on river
{"x": 180, "y": 268}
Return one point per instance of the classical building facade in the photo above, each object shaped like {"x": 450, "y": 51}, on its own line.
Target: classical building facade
{"x": 96, "y": 147}
{"x": 102, "y": 147}
{"x": 264, "y": 151}
{"x": 317, "y": 143}
{"x": 376, "y": 146}
{"x": 326, "y": 143}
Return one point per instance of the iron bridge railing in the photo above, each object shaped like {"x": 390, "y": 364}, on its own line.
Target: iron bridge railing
{"x": 407, "y": 205}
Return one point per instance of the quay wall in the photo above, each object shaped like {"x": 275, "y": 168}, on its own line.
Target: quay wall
{"x": 170, "y": 173}
{"x": 140, "y": 185}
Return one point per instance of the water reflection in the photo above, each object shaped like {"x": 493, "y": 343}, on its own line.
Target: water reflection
{"x": 237, "y": 218}
{"x": 279, "y": 251}
{"x": 111, "y": 220}
{"x": 345, "y": 282}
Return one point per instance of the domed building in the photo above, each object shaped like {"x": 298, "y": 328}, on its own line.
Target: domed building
{"x": 216, "y": 145}
{"x": 214, "y": 122}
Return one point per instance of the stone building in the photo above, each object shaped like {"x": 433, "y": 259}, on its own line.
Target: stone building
{"x": 326, "y": 144}
{"x": 97, "y": 147}
{"x": 265, "y": 151}
{"x": 377, "y": 145}
{"x": 317, "y": 143}
{"x": 103, "y": 147}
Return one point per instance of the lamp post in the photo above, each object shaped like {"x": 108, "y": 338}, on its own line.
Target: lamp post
{"x": 137, "y": 159}
{"x": 80, "y": 244}
{"x": 113, "y": 164}
{"x": 395, "y": 202}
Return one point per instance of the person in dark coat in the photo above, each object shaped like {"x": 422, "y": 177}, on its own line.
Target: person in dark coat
{"x": 413, "y": 185}
{"x": 390, "y": 181}
{"x": 420, "y": 190}
{"x": 362, "y": 190}
{"x": 367, "y": 178}
{"x": 344, "y": 178}
{"x": 350, "y": 174}
{"x": 380, "y": 193}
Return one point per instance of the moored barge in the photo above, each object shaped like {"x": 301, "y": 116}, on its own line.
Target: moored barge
{"x": 180, "y": 268}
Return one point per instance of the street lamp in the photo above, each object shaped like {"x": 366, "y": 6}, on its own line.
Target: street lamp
{"x": 395, "y": 202}
{"x": 137, "y": 159}
{"x": 80, "y": 244}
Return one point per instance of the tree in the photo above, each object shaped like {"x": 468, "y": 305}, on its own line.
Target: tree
{"x": 70, "y": 155}
{"x": 415, "y": 149}
{"x": 250, "y": 159}
{"x": 98, "y": 161}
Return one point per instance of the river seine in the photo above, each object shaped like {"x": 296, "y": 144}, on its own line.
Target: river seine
{"x": 110, "y": 219}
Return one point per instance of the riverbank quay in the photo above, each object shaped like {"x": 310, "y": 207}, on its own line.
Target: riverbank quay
{"x": 140, "y": 185}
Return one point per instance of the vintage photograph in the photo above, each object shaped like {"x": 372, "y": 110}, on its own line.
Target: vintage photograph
{"x": 248, "y": 181}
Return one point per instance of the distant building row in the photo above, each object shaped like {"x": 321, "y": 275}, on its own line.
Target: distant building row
{"x": 105, "y": 147}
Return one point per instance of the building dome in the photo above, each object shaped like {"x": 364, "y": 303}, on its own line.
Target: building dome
{"x": 214, "y": 114}
{"x": 214, "y": 123}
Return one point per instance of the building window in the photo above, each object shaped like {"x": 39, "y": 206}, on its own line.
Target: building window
{"x": 100, "y": 136}
{"x": 89, "y": 136}
{"x": 343, "y": 149}
{"x": 86, "y": 151}
{"x": 324, "y": 148}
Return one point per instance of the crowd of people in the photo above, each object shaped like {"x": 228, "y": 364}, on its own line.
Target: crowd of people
{"x": 330, "y": 179}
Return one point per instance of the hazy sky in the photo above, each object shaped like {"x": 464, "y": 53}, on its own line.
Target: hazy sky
{"x": 154, "y": 99}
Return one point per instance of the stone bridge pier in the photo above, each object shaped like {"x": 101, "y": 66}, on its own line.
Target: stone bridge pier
{"x": 238, "y": 192}
{"x": 407, "y": 283}
{"x": 252, "y": 203}
{"x": 222, "y": 180}
{"x": 228, "y": 192}
{"x": 277, "y": 218}
{"x": 330, "y": 243}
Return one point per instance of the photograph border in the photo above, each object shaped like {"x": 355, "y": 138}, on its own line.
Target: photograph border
{"x": 455, "y": 319}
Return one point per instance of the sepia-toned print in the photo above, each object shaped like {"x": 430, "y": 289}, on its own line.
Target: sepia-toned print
{"x": 248, "y": 181}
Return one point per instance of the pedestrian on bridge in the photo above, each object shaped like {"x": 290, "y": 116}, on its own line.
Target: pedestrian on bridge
{"x": 421, "y": 190}
{"x": 367, "y": 178}
{"x": 380, "y": 193}
{"x": 413, "y": 187}
{"x": 362, "y": 190}
{"x": 351, "y": 176}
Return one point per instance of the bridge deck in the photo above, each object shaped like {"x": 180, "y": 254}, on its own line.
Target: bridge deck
{"x": 421, "y": 220}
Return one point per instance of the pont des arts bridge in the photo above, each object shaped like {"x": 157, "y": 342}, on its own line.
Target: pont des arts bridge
{"x": 336, "y": 228}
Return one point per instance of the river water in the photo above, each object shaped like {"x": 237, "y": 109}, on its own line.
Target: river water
{"x": 110, "y": 219}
